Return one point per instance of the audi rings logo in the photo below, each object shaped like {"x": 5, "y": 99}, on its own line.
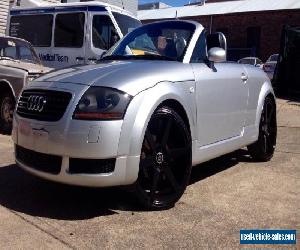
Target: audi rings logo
{"x": 36, "y": 103}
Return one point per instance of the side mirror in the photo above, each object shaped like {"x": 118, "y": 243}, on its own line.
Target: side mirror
{"x": 217, "y": 55}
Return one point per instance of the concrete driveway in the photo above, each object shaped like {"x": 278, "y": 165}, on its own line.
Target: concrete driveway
{"x": 224, "y": 196}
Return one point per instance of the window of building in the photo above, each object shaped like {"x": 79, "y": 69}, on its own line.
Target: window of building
{"x": 69, "y": 30}
{"x": 37, "y": 29}
{"x": 253, "y": 39}
{"x": 126, "y": 23}
{"x": 104, "y": 34}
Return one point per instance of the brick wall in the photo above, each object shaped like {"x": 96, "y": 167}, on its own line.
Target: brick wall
{"x": 270, "y": 23}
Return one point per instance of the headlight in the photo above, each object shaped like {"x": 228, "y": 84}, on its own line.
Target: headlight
{"x": 100, "y": 103}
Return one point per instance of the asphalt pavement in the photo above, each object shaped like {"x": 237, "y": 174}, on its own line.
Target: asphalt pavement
{"x": 225, "y": 195}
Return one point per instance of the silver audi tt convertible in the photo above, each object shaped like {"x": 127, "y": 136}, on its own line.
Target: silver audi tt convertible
{"x": 162, "y": 100}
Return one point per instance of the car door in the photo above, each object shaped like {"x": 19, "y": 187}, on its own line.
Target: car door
{"x": 221, "y": 96}
{"x": 103, "y": 35}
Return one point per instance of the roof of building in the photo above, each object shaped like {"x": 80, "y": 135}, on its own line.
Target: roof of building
{"x": 151, "y": 6}
{"x": 218, "y": 8}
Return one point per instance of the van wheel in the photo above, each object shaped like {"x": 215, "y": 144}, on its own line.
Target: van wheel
{"x": 7, "y": 105}
{"x": 263, "y": 149}
{"x": 165, "y": 163}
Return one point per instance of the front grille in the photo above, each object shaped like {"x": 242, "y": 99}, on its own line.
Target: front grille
{"x": 43, "y": 105}
{"x": 32, "y": 76}
{"x": 39, "y": 161}
{"x": 91, "y": 166}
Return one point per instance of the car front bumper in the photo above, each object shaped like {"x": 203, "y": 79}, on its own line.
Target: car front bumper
{"x": 86, "y": 141}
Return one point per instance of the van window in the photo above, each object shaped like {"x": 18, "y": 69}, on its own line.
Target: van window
{"x": 69, "y": 30}
{"x": 126, "y": 23}
{"x": 37, "y": 29}
{"x": 104, "y": 33}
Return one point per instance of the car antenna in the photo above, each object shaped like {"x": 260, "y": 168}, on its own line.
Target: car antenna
{"x": 176, "y": 15}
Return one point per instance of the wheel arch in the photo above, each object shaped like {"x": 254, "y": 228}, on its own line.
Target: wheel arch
{"x": 138, "y": 115}
{"x": 179, "y": 109}
{"x": 6, "y": 86}
{"x": 266, "y": 90}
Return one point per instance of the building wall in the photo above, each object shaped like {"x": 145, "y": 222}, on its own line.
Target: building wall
{"x": 4, "y": 6}
{"x": 130, "y": 5}
{"x": 235, "y": 27}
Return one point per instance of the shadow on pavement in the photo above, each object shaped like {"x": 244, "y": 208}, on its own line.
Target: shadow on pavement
{"x": 219, "y": 164}
{"x": 289, "y": 98}
{"x": 21, "y": 192}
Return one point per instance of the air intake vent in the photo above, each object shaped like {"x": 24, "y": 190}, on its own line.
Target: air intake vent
{"x": 88, "y": 166}
{"x": 41, "y": 162}
{"x": 43, "y": 105}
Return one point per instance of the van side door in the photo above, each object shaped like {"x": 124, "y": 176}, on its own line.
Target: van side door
{"x": 69, "y": 37}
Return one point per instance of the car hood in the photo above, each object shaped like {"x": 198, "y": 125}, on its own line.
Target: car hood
{"x": 131, "y": 77}
{"x": 31, "y": 68}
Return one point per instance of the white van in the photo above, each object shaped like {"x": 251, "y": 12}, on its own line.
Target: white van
{"x": 72, "y": 33}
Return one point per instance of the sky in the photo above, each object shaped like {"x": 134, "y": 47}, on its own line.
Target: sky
{"x": 169, "y": 2}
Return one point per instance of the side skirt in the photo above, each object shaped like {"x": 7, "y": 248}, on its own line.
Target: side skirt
{"x": 211, "y": 151}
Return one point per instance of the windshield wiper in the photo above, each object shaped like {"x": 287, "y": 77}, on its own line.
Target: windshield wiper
{"x": 115, "y": 57}
{"x": 138, "y": 57}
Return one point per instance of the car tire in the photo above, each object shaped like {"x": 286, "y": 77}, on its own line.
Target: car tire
{"x": 7, "y": 105}
{"x": 263, "y": 149}
{"x": 166, "y": 161}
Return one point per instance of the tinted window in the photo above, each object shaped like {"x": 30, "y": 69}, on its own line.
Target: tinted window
{"x": 126, "y": 23}
{"x": 69, "y": 30}
{"x": 273, "y": 58}
{"x": 258, "y": 61}
{"x": 200, "y": 53}
{"x": 104, "y": 33}
{"x": 37, "y": 29}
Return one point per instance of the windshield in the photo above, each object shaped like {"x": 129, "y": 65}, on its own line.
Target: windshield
{"x": 8, "y": 49}
{"x": 161, "y": 41}
{"x": 17, "y": 50}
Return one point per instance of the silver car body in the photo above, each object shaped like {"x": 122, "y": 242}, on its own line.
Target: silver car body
{"x": 223, "y": 108}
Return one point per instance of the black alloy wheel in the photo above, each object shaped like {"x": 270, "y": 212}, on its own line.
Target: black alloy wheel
{"x": 7, "y": 105}
{"x": 166, "y": 160}
{"x": 263, "y": 149}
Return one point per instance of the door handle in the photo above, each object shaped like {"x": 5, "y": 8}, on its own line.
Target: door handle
{"x": 79, "y": 58}
{"x": 92, "y": 59}
{"x": 244, "y": 77}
